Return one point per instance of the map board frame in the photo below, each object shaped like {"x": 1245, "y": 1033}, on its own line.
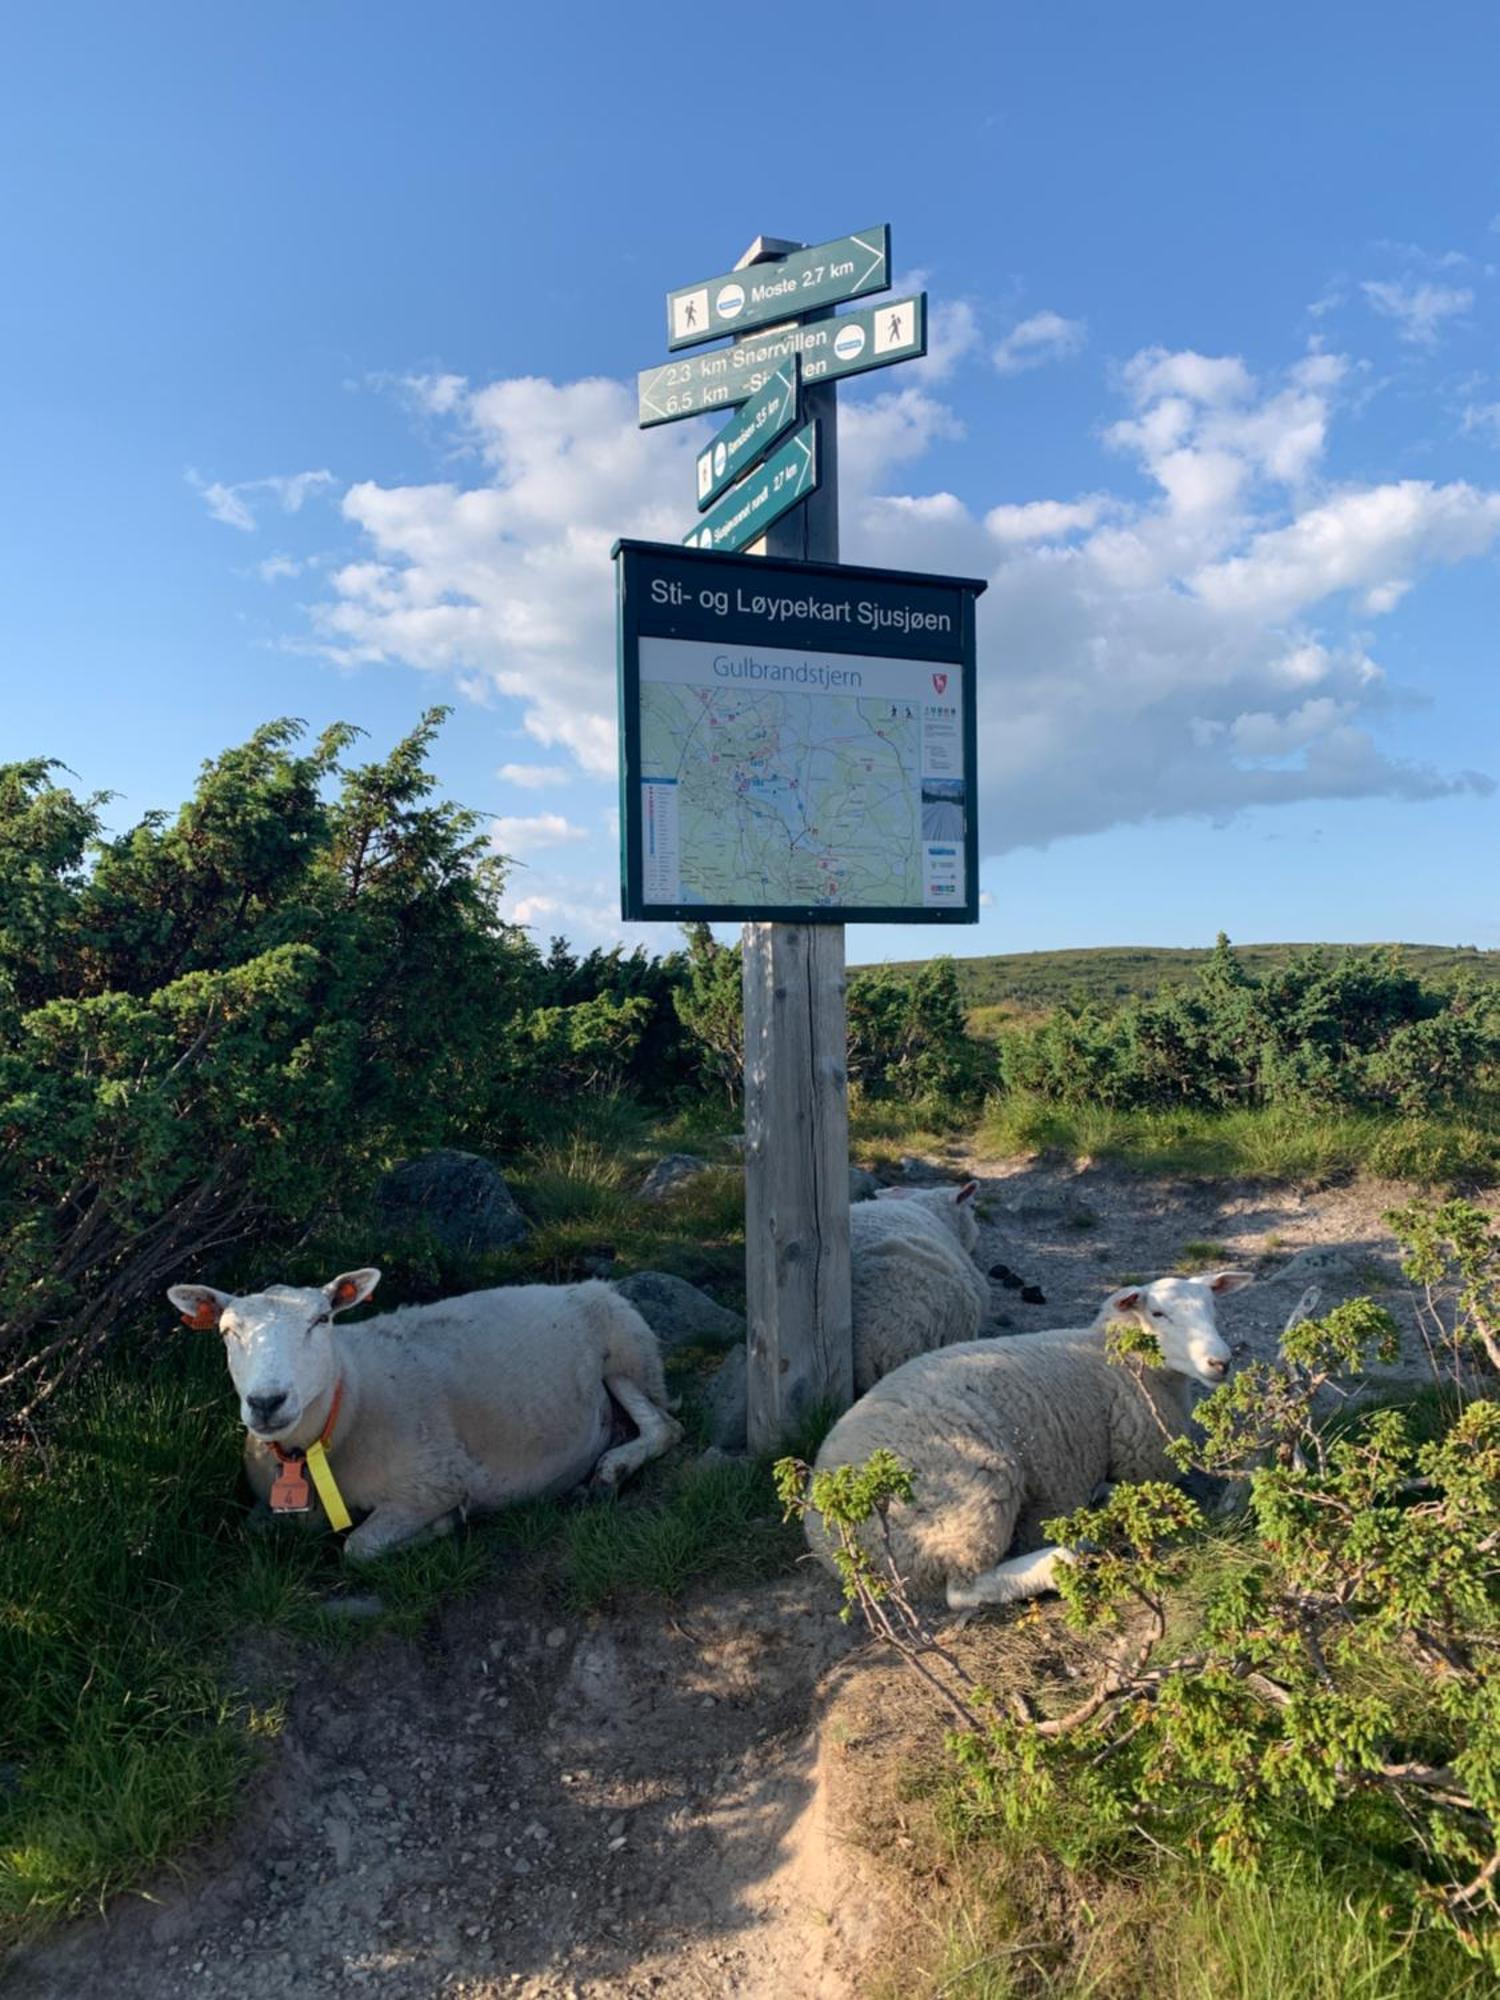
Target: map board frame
{"x": 658, "y": 586}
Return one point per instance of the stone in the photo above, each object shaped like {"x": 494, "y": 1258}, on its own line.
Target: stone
{"x": 1321, "y": 1264}
{"x": 670, "y": 1175}
{"x": 459, "y": 1198}
{"x": 359, "y": 1604}
{"x": 726, "y": 1400}
{"x": 678, "y": 1313}
{"x": 863, "y": 1185}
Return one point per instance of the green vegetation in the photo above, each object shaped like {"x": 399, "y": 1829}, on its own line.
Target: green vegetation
{"x": 218, "y": 1028}
{"x": 133, "y": 1576}
{"x": 1034, "y": 982}
{"x": 1307, "y": 1700}
{"x": 1459, "y": 1149}
{"x": 1323, "y": 1033}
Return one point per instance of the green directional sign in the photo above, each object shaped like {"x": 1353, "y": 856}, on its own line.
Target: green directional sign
{"x": 847, "y": 268}
{"x": 747, "y": 510}
{"x": 749, "y": 435}
{"x": 868, "y": 337}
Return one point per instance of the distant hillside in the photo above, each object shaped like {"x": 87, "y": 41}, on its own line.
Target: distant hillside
{"x": 1036, "y": 981}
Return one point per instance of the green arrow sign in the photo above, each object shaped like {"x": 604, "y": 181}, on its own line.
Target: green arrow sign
{"x": 750, "y": 435}
{"x": 747, "y": 510}
{"x": 867, "y": 337}
{"x": 847, "y": 268}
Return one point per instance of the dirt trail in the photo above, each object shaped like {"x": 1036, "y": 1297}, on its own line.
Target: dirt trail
{"x": 1077, "y": 1231}
{"x": 524, "y": 1804}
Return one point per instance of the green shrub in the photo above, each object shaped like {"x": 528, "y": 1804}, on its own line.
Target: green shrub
{"x": 1325, "y": 1033}
{"x": 1323, "y": 1682}
{"x": 219, "y": 1027}
{"x": 909, "y": 1039}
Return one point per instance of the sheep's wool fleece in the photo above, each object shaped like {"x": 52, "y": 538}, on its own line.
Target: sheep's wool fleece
{"x": 1001, "y": 1436}
{"x": 481, "y": 1400}
{"x": 913, "y": 1284}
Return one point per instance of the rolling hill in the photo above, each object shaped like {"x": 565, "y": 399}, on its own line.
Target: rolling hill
{"x": 1036, "y": 981}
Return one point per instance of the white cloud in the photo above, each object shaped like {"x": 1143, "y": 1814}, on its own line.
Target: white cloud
{"x": 1429, "y": 260}
{"x": 513, "y": 834}
{"x": 1046, "y": 336}
{"x": 1044, "y": 520}
{"x": 885, "y": 431}
{"x": 276, "y": 567}
{"x": 952, "y": 333}
{"x": 533, "y": 777}
{"x": 1369, "y": 538}
{"x": 585, "y": 909}
{"x": 1418, "y": 308}
{"x": 1216, "y": 379}
{"x": 1187, "y": 647}
{"x": 233, "y": 505}
{"x": 510, "y": 580}
{"x": 1483, "y": 418}
{"x": 438, "y": 395}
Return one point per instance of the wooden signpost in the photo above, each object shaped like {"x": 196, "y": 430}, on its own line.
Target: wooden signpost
{"x": 797, "y": 1306}
{"x": 803, "y": 748}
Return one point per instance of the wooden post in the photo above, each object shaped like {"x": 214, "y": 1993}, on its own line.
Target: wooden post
{"x": 796, "y": 1176}
{"x": 801, "y": 1350}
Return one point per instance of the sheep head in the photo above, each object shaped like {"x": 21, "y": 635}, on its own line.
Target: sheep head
{"x": 954, "y": 1207}
{"x": 278, "y": 1343}
{"x": 1179, "y": 1314}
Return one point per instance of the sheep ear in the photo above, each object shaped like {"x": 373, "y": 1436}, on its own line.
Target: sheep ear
{"x": 1230, "y": 1281}
{"x": 1125, "y": 1302}
{"x": 966, "y": 1193}
{"x": 352, "y": 1289}
{"x": 200, "y": 1305}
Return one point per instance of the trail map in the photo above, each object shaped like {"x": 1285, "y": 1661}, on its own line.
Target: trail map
{"x": 780, "y": 777}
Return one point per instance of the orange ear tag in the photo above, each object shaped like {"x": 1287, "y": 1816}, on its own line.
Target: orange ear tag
{"x": 289, "y": 1490}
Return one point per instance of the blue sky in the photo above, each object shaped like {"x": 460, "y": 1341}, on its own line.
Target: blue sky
{"x": 318, "y": 326}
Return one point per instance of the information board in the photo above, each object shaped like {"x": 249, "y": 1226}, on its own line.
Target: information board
{"x": 798, "y": 739}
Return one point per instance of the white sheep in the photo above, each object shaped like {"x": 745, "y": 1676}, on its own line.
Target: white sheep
{"x": 912, "y": 1278}
{"x": 474, "y": 1402}
{"x": 1004, "y": 1434}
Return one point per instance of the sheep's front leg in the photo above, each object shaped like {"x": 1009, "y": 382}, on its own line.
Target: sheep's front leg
{"x": 658, "y": 1432}
{"x": 1008, "y": 1582}
{"x": 390, "y": 1528}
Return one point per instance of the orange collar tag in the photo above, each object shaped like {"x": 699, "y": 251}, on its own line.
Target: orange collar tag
{"x": 289, "y": 1490}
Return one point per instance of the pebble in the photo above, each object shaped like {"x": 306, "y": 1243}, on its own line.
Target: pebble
{"x": 558, "y": 1636}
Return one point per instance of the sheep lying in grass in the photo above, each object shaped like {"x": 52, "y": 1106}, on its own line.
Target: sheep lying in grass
{"x": 429, "y": 1411}
{"x": 1004, "y": 1434}
{"x": 912, "y": 1277}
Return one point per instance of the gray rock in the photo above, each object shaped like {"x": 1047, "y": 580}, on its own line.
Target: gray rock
{"x": 863, "y": 1185}
{"x": 670, "y": 1175}
{"x": 356, "y": 1605}
{"x": 726, "y": 1398}
{"x": 678, "y": 1313}
{"x": 1321, "y": 1264}
{"x": 921, "y": 1173}
{"x": 460, "y": 1198}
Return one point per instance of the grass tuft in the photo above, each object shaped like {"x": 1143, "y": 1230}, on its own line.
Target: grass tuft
{"x": 1272, "y": 1145}
{"x": 718, "y": 1519}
